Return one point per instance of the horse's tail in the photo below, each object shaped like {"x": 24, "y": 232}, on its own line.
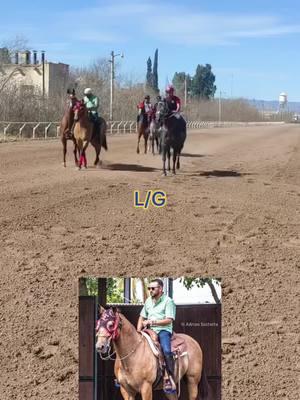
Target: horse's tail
{"x": 103, "y": 129}
{"x": 203, "y": 386}
{"x": 104, "y": 142}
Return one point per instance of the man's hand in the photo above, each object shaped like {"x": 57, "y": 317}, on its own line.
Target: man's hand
{"x": 146, "y": 322}
{"x": 149, "y": 322}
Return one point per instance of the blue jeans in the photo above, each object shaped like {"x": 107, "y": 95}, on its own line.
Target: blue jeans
{"x": 165, "y": 342}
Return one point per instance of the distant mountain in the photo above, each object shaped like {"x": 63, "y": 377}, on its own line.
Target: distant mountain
{"x": 272, "y": 105}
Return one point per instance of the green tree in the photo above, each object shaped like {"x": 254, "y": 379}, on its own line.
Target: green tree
{"x": 200, "y": 282}
{"x": 149, "y": 76}
{"x": 178, "y": 81}
{"x": 155, "y": 73}
{"x": 203, "y": 84}
{"x": 115, "y": 289}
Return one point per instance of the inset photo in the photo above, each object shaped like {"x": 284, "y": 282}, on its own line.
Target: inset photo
{"x": 149, "y": 338}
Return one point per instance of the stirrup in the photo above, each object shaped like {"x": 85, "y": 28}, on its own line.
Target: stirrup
{"x": 168, "y": 386}
{"x": 117, "y": 385}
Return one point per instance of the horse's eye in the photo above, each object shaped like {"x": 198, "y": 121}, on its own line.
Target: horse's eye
{"x": 110, "y": 324}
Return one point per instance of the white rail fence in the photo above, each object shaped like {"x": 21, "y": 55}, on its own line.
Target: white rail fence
{"x": 50, "y": 130}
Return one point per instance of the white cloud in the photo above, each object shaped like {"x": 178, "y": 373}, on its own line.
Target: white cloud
{"x": 171, "y": 23}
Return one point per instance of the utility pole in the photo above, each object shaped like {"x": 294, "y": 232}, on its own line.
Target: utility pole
{"x": 220, "y": 108}
{"x": 112, "y": 78}
{"x": 185, "y": 91}
{"x": 43, "y": 73}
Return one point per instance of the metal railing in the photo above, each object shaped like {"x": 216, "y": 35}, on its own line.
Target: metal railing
{"x": 50, "y": 130}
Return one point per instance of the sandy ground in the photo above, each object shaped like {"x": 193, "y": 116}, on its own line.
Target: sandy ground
{"x": 233, "y": 212}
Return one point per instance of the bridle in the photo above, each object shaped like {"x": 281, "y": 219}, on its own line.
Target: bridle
{"x": 112, "y": 334}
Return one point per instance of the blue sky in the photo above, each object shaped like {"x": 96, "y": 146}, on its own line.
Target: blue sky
{"x": 253, "y": 47}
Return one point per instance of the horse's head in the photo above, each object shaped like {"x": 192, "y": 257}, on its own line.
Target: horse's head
{"x": 162, "y": 111}
{"x": 107, "y": 329}
{"x": 79, "y": 110}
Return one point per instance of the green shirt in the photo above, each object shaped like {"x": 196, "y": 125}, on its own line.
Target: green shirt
{"x": 92, "y": 103}
{"x": 162, "y": 309}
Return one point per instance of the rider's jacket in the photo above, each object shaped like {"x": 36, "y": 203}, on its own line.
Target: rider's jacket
{"x": 174, "y": 103}
{"x": 92, "y": 104}
{"x": 145, "y": 107}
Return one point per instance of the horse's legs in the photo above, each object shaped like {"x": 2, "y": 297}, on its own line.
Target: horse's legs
{"x": 97, "y": 147}
{"x": 174, "y": 161}
{"x": 75, "y": 153}
{"x": 85, "y": 145}
{"x": 80, "y": 153}
{"x": 138, "y": 143}
{"x": 192, "y": 386}
{"x": 64, "y": 143}
{"x": 146, "y": 391}
{"x": 146, "y": 141}
{"x": 125, "y": 395}
{"x": 169, "y": 156}
{"x": 164, "y": 157}
{"x": 156, "y": 140}
{"x": 178, "y": 161}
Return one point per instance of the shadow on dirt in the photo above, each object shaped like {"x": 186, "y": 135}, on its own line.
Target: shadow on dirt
{"x": 192, "y": 155}
{"x": 220, "y": 174}
{"x": 129, "y": 167}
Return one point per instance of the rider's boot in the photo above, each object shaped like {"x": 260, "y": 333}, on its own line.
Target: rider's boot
{"x": 169, "y": 381}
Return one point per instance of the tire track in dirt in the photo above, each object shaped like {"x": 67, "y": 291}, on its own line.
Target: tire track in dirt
{"x": 225, "y": 217}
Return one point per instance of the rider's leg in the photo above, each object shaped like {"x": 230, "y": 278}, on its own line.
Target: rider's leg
{"x": 165, "y": 342}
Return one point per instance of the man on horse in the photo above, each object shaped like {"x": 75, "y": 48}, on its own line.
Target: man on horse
{"x": 159, "y": 313}
{"x": 91, "y": 102}
{"x": 174, "y": 102}
{"x": 145, "y": 109}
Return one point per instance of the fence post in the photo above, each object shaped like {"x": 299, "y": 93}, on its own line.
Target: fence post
{"x": 6, "y": 129}
{"x": 34, "y": 130}
{"x": 21, "y": 129}
{"x": 46, "y": 130}
{"x": 118, "y": 127}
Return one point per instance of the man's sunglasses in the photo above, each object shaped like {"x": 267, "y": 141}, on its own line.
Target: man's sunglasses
{"x": 152, "y": 287}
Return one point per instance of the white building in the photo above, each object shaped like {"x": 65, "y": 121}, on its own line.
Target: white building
{"x": 34, "y": 76}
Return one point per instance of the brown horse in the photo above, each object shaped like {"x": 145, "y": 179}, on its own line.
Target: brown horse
{"x": 143, "y": 130}
{"x": 66, "y": 126}
{"x": 83, "y": 130}
{"x": 136, "y": 366}
{"x": 98, "y": 139}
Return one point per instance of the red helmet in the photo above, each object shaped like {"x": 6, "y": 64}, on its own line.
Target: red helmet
{"x": 170, "y": 89}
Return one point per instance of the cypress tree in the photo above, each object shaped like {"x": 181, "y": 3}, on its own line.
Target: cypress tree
{"x": 155, "y": 73}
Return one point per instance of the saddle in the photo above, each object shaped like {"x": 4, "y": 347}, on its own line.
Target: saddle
{"x": 178, "y": 348}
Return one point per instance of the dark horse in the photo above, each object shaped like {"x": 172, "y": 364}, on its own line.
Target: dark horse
{"x": 143, "y": 125}
{"x": 173, "y": 135}
{"x": 98, "y": 139}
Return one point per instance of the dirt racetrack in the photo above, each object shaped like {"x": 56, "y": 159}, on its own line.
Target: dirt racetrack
{"x": 232, "y": 212}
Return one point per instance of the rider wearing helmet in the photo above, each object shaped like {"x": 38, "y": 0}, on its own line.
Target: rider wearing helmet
{"x": 91, "y": 102}
{"x": 145, "y": 107}
{"x": 172, "y": 100}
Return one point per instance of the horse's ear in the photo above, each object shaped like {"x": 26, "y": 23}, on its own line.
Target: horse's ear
{"x": 73, "y": 92}
{"x": 116, "y": 309}
{"x": 100, "y": 309}
{"x": 68, "y": 91}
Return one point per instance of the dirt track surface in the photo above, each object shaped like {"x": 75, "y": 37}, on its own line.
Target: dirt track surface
{"x": 233, "y": 212}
